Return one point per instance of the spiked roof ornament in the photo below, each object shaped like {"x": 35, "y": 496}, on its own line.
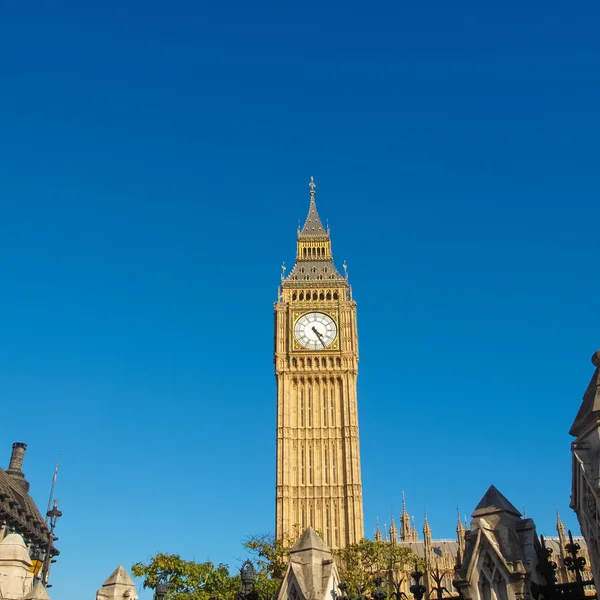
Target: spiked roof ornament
{"x": 313, "y": 227}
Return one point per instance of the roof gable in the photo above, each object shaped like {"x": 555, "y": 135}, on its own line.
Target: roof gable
{"x": 589, "y": 410}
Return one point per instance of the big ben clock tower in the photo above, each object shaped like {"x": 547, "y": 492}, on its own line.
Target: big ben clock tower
{"x": 316, "y": 364}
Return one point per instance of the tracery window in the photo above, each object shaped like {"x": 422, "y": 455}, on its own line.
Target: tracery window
{"x": 335, "y": 525}
{"x": 332, "y": 404}
{"x": 333, "y": 464}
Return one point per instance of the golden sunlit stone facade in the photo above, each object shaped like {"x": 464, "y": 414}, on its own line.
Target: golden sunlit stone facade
{"x": 316, "y": 364}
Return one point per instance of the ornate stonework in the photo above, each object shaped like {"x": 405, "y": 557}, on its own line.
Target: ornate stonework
{"x": 316, "y": 365}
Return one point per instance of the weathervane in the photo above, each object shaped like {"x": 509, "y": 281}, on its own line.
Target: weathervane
{"x": 312, "y": 185}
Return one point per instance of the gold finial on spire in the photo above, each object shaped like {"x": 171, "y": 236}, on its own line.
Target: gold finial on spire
{"x": 312, "y": 185}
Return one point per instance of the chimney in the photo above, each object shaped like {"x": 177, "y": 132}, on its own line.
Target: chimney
{"x": 15, "y": 468}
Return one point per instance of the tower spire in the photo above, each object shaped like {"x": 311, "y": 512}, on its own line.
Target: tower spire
{"x": 313, "y": 227}
{"x": 393, "y": 531}
{"x": 378, "y": 536}
{"x": 426, "y": 530}
{"x": 405, "y": 531}
{"x": 460, "y": 533}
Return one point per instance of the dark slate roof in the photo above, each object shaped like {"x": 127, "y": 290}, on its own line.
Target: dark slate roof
{"x": 313, "y": 226}
{"x": 554, "y": 544}
{"x": 446, "y": 547}
{"x": 590, "y": 407}
{"x": 321, "y": 271}
{"x": 492, "y": 502}
{"x": 19, "y": 510}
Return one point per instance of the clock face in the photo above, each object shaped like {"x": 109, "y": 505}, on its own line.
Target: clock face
{"x": 315, "y": 330}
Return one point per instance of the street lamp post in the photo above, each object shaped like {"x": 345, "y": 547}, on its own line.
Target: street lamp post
{"x": 162, "y": 586}
{"x": 53, "y": 515}
{"x": 417, "y": 590}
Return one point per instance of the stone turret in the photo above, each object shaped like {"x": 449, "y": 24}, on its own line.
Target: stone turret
{"x": 311, "y": 573}
{"x": 501, "y": 552}
{"x": 460, "y": 536}
{"x": 16, "y": 578}
{"x": 393, "y": 532}
{"x": 38, "y": 592}
{"x": 378, "y": 537}
{"x": 585, "y": 491}
{"x": 408, "y": 531}
{"x": 118, "y": 586}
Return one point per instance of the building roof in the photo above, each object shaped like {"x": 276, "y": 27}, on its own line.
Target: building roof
{"x": 309, "y": 540}
{"x": 313, "y": 269}
{"x": 119, "y": 577}
{"x": 38, "y": 592}
{"x": 439, "y": 547}
{"x": 492, "y": 502}
{"x": 313, "y": 227}
{"x": 322, "y": 272}
{"x": 590, "y": 407}
{"x": 20, "y": 512}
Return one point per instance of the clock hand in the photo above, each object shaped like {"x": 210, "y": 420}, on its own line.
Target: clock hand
{"x": 319, "y": 336}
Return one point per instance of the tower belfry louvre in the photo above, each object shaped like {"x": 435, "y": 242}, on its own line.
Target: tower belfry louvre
{"x": 318, "y": 480}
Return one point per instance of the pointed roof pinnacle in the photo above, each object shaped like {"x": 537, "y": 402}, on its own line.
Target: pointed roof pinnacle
{"x": 560, "y": 528}
{"x": 393, "y": 530}
{"x": 378, "y": 536}
{"x": 426, "y": 527}
{"x": 309, "y": 540}
{"x": 313, "y": 226}
{"x": 459, "y": 526}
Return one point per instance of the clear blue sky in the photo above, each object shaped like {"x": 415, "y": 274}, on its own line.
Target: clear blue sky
{"x": 154, "y": 162}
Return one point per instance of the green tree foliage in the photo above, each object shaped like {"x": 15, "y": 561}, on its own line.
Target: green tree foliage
{"x": 188, "y": 580}
{"x": 270, "y": 557}
{"x": 361, "y": 563}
